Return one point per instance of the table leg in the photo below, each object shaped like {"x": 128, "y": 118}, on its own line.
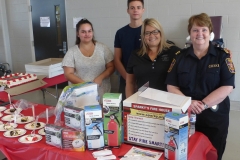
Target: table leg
{"x": 57, "y": 95}
{"x": 43, "y": 92}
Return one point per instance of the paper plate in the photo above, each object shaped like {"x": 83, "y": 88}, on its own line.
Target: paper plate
{"x": 23, "y": 139}
{"x": 12, "y": 124}
{"x": 42, "y": 132}
{"x": 21, "y": 132}
{"x": 30, "y": 127}
{"x": 7, "y": 111}
{"x": 1, "y": 122}
{"x": 1, "y": 114}
{"x": 9, "y": 117}
{"x": 30, "y": 119}
{"x": 2, "y": 108}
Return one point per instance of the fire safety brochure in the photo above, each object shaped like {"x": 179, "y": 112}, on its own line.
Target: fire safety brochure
{"x": 141, "y": 154}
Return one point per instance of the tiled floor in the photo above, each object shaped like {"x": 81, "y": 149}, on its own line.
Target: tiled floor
{"x": 232, "y": 151}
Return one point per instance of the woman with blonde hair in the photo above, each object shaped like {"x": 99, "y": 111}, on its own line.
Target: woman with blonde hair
{"x": 151, "y": 62}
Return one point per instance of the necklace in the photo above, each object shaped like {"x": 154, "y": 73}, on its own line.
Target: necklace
{"x": 87, "y": 50}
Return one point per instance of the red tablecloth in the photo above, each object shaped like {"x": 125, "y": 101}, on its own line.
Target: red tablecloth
{"x": 53, "y": 81}
{"x": 199, "y": 146}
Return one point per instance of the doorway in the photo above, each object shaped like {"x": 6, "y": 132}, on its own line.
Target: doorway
{"x": 49, "y": 28}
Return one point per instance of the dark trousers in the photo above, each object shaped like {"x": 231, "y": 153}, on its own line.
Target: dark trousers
{"x": 215, "y": 126}
{"x": 122, "y": 86}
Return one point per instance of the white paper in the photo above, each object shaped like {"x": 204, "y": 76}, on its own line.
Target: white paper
{"x": 76, "y": 20}
{"x": 44, "y": 21}
{"x": 141, "y": 154}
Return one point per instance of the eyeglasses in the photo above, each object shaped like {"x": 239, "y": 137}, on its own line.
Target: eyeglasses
{"x": 154, "y": 32}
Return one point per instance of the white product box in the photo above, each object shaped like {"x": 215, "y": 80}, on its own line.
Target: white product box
{"x": 143, "y": 116}
{"x": 94, "y": 127}
{"x": 53, "y": 135}
{"x": 84, "y": 95}
{"x": 50, "y": 67}
{"x": 74, "y": 117}
{"x": 176, "y": 136}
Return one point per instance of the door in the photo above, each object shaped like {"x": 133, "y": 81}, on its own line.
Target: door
{"x": 49, "y": 28}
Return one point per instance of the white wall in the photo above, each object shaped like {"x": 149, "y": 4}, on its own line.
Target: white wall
{"x": 109, "y": 15}
{"x": 2, "y": 48}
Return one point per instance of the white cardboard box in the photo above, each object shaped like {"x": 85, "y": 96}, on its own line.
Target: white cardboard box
{"x": 50, "y": 67}
{"x": 144, "y": 114}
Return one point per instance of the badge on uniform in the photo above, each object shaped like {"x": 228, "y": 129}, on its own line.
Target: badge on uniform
{"x": 172, "y": 64}
{"x": 230, "y": 65}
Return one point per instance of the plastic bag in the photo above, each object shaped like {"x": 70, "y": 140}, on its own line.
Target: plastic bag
{"x": 24, "y": 104}
{"x": 69, "y": 97}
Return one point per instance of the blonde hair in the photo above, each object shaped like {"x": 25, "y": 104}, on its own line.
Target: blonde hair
{"x": 201, "y": 20}
{"x": 163, "y": 45}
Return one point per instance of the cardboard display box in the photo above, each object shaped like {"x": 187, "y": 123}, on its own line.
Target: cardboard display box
{"x": 176, "y": 136}
{"x": 144, "y": 114}
{"x": 50, "y": 67}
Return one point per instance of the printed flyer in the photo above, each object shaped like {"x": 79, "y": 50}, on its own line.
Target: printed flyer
{"x": 141, "y": 154}
{"x": 144, "y": 125}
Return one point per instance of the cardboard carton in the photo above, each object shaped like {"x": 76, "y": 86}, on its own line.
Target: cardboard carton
{"x": 112, "y": 110}
{"x": 74, "y": 117}
{"x": 53, "y": 135}
{"x": 144, "y": 114}
{"x": 94, "y": 127}
{"x": 50, "y": 67}
{"x": 176, "y": 136}
{"x": 73, "y": 140}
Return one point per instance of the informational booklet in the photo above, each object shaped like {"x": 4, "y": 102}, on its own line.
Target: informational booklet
{"x": 141, "y": 154}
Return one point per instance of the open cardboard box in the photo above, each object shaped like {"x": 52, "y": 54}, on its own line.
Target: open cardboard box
{"x": 50, "y": 67}
{"x": 23, "y": 88}
{"x": 144, "y": 114}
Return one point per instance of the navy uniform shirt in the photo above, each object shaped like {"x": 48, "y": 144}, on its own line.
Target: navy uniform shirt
{"x": 144, "y": 69}
{"x": 128, "y": 39}
{"x": 199, "y": 77}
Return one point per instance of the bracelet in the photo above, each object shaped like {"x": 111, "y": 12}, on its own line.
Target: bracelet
{"x": 205, "y": 106}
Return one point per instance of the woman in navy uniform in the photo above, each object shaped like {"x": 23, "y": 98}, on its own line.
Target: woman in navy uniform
{"x": 205, "y": 73}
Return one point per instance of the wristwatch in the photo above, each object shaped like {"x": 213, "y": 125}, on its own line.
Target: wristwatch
{"x": 205, "y": 105}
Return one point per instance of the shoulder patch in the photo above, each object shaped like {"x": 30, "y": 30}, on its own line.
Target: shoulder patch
{"x": 177, "y": 52}
{"x": 172, "y": 64}
{"x": 230, "y": 65}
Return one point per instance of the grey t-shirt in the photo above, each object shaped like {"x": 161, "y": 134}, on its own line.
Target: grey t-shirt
{"x": 88, "y": 68}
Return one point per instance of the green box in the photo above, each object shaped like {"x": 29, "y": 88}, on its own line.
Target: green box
{"x": 112, "y": 110}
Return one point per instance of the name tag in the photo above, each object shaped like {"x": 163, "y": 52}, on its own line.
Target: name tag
{"x": 213, "y": 65}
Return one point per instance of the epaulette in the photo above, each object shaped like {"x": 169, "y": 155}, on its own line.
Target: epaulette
{"x": 225, "y": 50}
{"x": 178, "y": 52}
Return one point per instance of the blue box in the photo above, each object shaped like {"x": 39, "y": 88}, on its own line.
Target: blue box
{"x": 176, "y": 136}
{"x": 94, "y": 127}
